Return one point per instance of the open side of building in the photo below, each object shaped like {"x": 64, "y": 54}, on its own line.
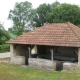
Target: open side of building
{"x": 54, "y": 44}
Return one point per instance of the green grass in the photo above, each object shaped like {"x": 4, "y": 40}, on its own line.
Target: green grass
{"x": 15, "y": 72}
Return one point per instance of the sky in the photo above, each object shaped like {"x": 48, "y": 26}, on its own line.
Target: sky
{"x": 7, "y": 5}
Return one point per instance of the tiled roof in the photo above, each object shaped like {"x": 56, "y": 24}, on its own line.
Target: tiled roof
{"x": 55, "y": 34}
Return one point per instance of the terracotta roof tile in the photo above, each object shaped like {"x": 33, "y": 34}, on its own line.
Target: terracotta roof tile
{"x": 55, "y": 34}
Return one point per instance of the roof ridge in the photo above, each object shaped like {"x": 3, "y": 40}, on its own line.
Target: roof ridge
{"x": 73, "y": 31}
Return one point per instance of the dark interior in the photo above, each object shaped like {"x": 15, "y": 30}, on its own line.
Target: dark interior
{"x": 60, "y": 55}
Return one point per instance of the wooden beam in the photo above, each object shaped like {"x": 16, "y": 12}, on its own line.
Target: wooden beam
{"x": 52, "y": 54}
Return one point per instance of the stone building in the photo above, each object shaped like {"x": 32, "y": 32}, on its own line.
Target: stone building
{"x": 54, "y": 45}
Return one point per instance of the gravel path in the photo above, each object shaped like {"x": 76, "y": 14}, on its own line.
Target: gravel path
{"x": 5, "y": 55}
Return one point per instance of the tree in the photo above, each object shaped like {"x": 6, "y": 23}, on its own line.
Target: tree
{"x": 48, "y": 15}
{"x": 21, "y": 17}
{"x": 4, "y": 35}
{"x": 57, "y": 13}
{"x": 40, "y": 14}
{"x": 56, "y": 3}
{"x": 65, "y": 13}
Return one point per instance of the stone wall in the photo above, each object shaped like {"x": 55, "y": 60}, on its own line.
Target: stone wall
{"x": 20, "y": 60}
{"x": 19, "y": 53}
{"x": 21, "y": 50}
{"x": 69, "y": 66}
{"x": 42, "y": 63}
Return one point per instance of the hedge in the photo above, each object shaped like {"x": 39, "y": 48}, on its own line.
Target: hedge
{"x": 4, "y": 48}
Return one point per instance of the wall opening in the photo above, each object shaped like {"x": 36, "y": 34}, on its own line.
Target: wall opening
{"x": 21, "y": 50}
{"x": 66, "y": 54}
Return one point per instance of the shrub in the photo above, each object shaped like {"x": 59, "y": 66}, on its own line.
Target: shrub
{"x": 4, "y": 48}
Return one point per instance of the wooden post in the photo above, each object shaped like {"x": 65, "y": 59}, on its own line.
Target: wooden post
{"x": 36, "y": 49}
{"x": 53, "y": 62}
{"x": 12, "y": 50}
{"x": 52, "y": 54}
{"x": 79, "y": 56}
{"x": 29, "y": 48}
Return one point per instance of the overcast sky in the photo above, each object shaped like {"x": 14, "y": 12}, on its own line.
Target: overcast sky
{"x": 6, "y": 5}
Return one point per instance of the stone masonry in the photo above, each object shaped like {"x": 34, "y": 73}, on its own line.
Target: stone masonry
{"x": 69, "y": 66}
{"x": 20, "y": 60}
{"x": 41, "y": 64}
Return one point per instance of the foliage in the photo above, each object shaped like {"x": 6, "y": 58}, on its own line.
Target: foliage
{"x": 57, "y": 13}
{"x": 25, "y": 18}
{"x": 21, "y": 17}
{"x": 56, "y": 3}
{"x": 15, "y": 72}
{"x": 40, "y": 15}
{"x": 4, "y": 48}
{"x": 4, "y": 35}
{"x": 12, "y": 35}
{"x": 65, "y": 13}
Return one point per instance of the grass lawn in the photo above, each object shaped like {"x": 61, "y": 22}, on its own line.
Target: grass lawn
{"x": 15, "y": 72}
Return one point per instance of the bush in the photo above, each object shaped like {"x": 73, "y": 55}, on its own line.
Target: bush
{"x": 4, "y": 48}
